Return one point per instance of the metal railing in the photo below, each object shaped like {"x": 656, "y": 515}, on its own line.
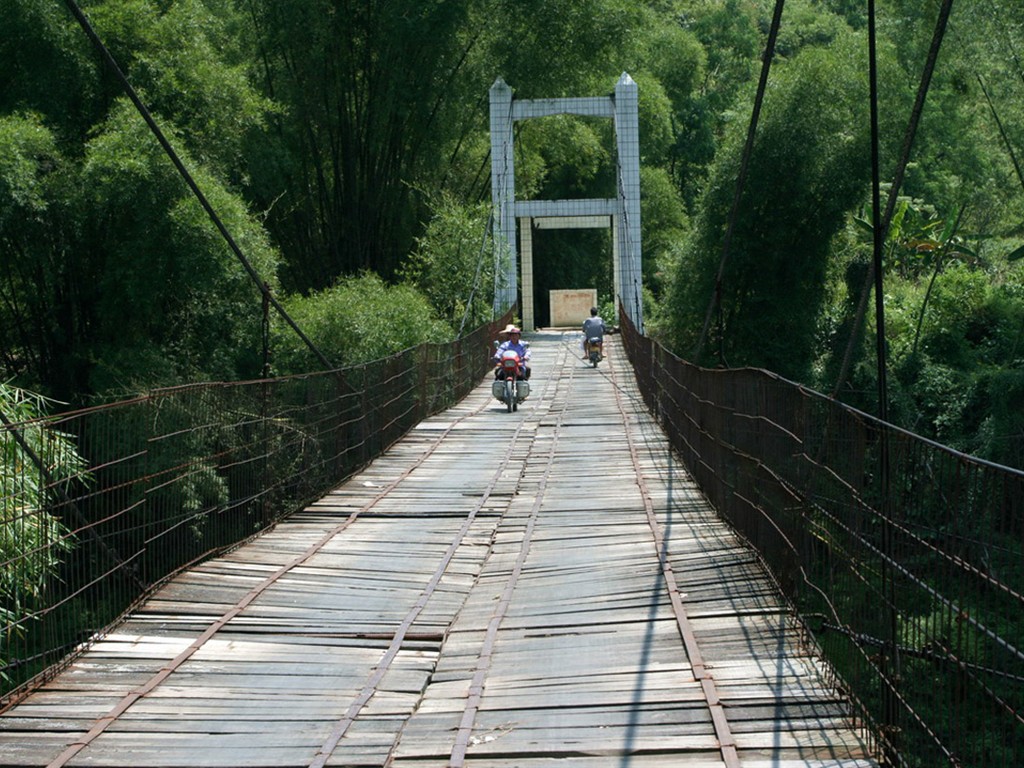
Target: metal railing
{"x": 914, "y": 597}
{"x": 168, "y": 479}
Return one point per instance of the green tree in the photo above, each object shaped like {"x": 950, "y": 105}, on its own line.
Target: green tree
{"x": 31, "y": 177}
{"x": 162, "y": 298}
{"x": 664, "y": 224}
{"x": 365, "y": 87}
{"x": 957, "y": 384}
{"x": 192, "y": 64}
{"x": 1000, "y": 436}
{"x": 808, "y": 168}
{"x": 453, "y": 263}
{"x": 113, "y": 277}
{"x": 678, "y": 63}
{"x": 591, "y": 37}
{"x": 359, "y": 319}
{"x": 48, "y": 68}
{"x": 565, "y": 157}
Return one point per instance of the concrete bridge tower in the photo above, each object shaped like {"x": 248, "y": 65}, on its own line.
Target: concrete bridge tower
{"x": 621, "y": 213}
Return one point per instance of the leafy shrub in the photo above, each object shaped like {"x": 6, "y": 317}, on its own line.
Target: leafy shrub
{"x": 954, "y": 352}
{"x": 358, "y": 320}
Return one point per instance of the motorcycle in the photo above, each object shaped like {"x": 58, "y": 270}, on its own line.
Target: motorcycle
{"x": 509, "y": 387}
{"x": 595, "y": 350}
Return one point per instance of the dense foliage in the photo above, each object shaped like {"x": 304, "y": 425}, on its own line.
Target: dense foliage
{"x": 345, "y": 146}
{"x": 32, "y": 470}
{"x": 775, "y": 276}
{"x": 361, "y": 315}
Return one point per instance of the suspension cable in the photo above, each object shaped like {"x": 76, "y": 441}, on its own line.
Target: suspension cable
{"x": 169, "y": 150}
{"x": 716, "y": 295}
{"x": 908, "y": 143}
{"x": 1002, "y": 131}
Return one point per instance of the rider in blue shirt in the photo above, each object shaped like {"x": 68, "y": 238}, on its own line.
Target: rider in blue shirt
{"x": 514, "y": 344}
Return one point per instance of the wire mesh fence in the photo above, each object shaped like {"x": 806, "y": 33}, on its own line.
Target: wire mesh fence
{"x": 99, "y": 506}
{"x": 908, "y": 572}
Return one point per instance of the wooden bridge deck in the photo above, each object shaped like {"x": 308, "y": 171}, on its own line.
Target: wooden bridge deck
{"x": 488, "y": 593}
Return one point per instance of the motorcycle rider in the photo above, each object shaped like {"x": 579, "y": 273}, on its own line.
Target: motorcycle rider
{"x": 593, "y": 327}
{"x": 513, "y": 343}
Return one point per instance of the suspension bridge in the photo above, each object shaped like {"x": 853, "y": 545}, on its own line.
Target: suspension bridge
{"x": 495, "y": 589}
{"x": 648, "y": 564}
{"x": 567, "y": 582}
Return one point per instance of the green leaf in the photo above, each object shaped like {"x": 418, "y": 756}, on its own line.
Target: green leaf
{"x": 1016, "y": 255}
{"x": 960, "y": 249}
{"x": 864, "y": 224}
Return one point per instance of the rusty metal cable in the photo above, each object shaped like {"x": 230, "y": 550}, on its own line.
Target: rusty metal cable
{"x": 56, "y": 488}
{"x": 184, "y": 473}
{"x": 917, "y": 588}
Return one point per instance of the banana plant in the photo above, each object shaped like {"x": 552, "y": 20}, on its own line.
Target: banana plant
{"x": 920, "y": 240}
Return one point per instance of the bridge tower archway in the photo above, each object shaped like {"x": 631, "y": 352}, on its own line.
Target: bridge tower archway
{"x": 621, "y": 213}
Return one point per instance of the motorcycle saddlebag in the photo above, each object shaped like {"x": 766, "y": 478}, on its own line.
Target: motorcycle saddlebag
{"x": 498, "y": 388}
{"x": 524, "y": 390}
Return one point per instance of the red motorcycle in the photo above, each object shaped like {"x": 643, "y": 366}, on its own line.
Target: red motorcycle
{"x": 509, "y": 386}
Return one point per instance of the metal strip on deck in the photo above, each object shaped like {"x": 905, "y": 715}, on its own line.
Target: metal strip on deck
{"x": 496, "y": 590}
